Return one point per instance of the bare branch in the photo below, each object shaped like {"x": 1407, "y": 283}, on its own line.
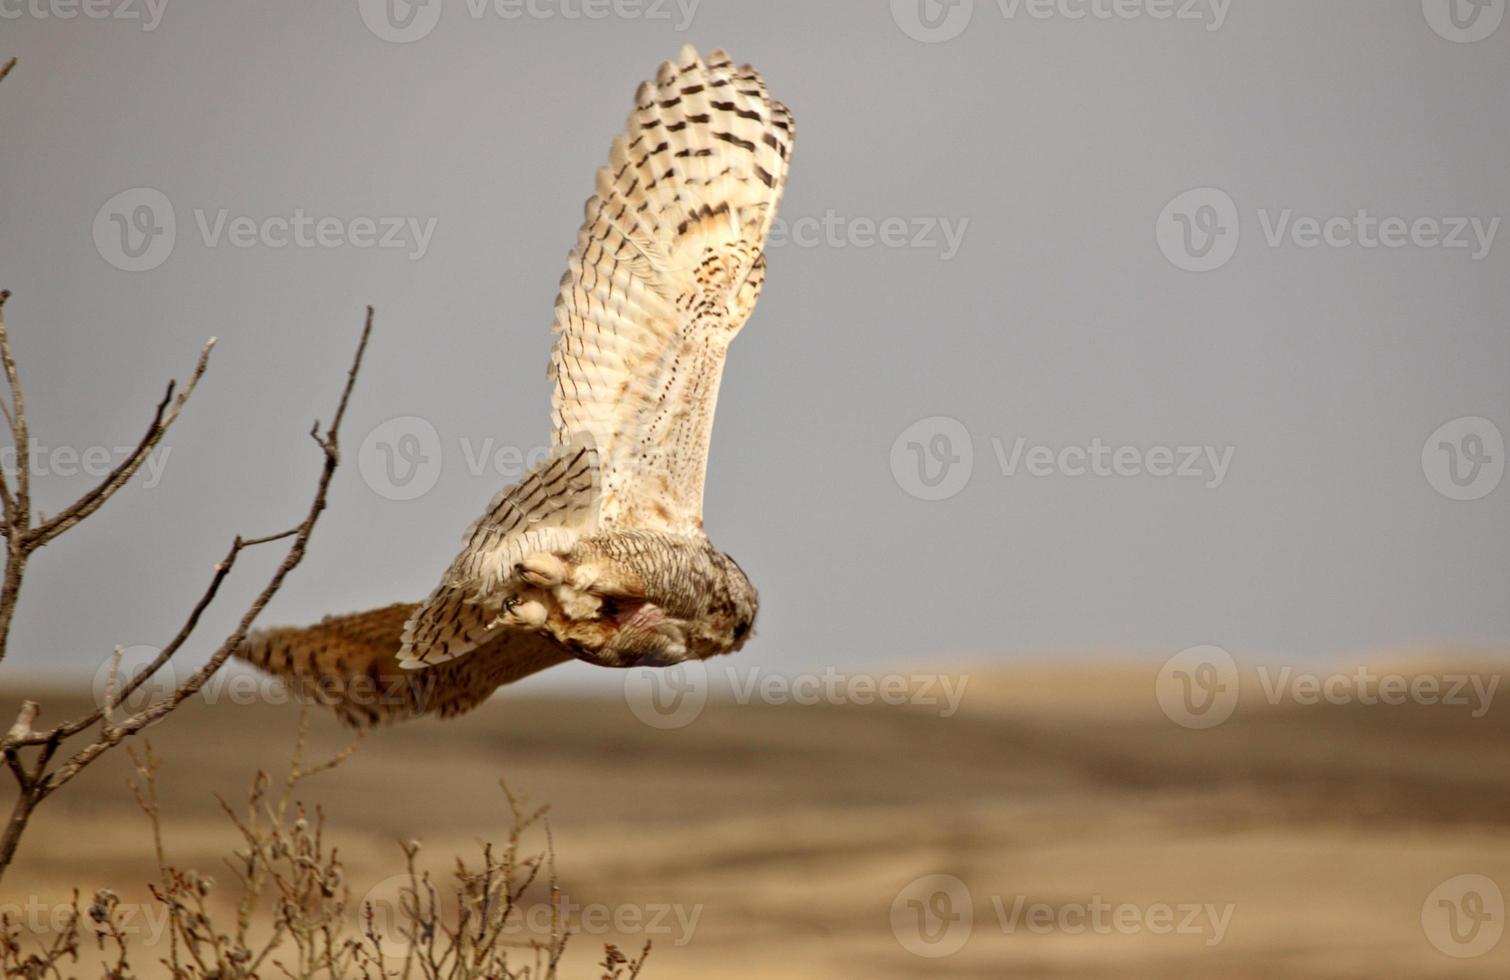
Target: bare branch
{"x": 5, "y": 68}
{"x": 21, "y": 729}
{"x": 113, "y": 735}
{"x": 116, "y": 478}
{"x": 39, "y": 782}
{"x": 22, "y": 542}
{"x": 21, "y": 538}
{"x": 17, "y": 506}
{"x": 17, "y": 419}
{"x": 221, "y": 572}
{"x": 112, "y": 685}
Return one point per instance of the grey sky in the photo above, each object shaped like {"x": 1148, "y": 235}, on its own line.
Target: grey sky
{"x": 1046, "y": 145}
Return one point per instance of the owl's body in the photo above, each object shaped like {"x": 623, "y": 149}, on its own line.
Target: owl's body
{"x": 599, "y": 553}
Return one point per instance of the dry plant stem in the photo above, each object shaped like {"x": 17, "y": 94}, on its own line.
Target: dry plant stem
{"x": 146, "y": 766}
{"x": 278, "y": 848}
{"x": 255, "y": 876}
{"x": 37, "y": 782}
{"x": 284, "y": 862}
{"x": 22, "y": 539}
{"x": 45, "y": 961}
{"x": 17, "y": 505}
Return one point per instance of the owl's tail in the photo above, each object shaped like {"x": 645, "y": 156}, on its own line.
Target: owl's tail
{"x": 349, "y": 664}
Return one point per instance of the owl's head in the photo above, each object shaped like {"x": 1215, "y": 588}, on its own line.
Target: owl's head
{"x": 744, "y": 602}
{"x": 727, "y": 617}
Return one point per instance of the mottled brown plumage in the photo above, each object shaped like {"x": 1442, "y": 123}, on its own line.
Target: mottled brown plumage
{"x": 599, "y": 553}
{"x": 350, "y": 664}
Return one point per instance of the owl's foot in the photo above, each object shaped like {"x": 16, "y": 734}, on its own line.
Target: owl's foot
{"x": 542, "y": 570}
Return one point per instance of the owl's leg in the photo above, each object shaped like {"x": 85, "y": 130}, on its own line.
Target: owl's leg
{"x": 605, "y": 578}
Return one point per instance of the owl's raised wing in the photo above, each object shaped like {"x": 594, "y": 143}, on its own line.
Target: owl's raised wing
{"x": 666, "y": 270}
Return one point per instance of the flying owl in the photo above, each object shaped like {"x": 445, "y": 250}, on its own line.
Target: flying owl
{"x": 599, "y": 554}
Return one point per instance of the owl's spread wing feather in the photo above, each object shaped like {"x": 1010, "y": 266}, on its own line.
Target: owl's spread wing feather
{"x": 546, "y": 512}
{"x": 350, "y": 663}
{"x": 667, "y": 268}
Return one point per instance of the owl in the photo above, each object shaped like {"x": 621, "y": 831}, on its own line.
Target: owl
{"x": 598, "y": 553}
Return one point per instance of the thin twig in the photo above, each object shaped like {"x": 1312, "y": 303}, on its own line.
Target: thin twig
{"x": 17, "y": 505}
{"x": 301, "y": 534}
{"x": 38, "y": 782}
{"x": 92, "y": 500}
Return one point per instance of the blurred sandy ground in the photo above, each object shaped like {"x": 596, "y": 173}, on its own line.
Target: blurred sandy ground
{"x": 765, "y": 840}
